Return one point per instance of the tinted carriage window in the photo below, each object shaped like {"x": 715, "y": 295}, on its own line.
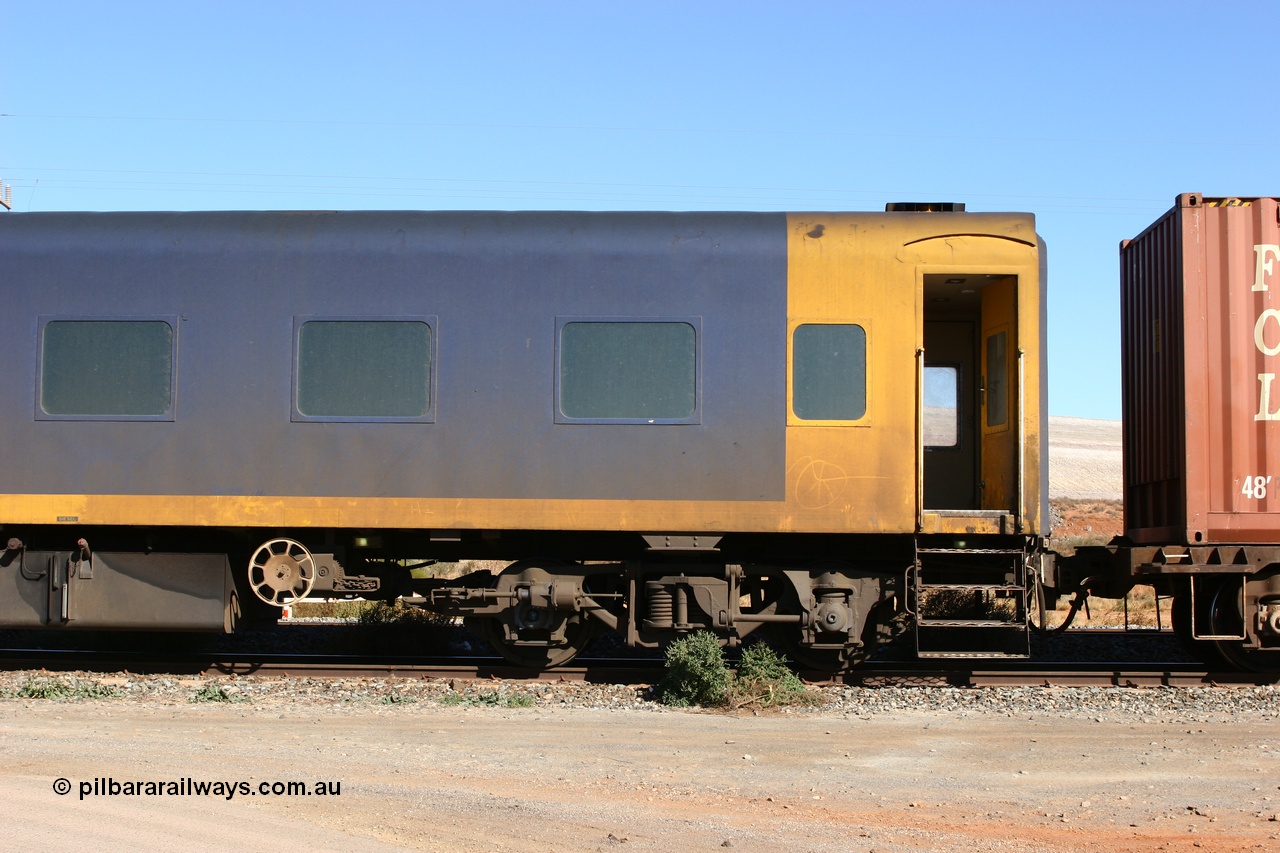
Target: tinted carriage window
{"x": 941, "y": 406}
{"x": 997, "y": 379}
{"x": 107, "y": 368}
{"x": 829, "y": 372}
{"x": 364, "y": 369}
{"x": 630, "y": 371}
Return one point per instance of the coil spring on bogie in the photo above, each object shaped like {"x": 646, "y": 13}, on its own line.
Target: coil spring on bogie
{"x": 662, "y": 608}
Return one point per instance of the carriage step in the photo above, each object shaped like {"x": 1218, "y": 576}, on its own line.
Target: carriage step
{"x": 970, "y": 623}
{"x": 1017, "y": 551}
{"x": 972, "y": 638}
{"x": 972, "y": 655}
{"x": 992, "y": 587}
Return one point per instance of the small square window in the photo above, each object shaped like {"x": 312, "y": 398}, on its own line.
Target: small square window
{"x": 829, "y": 372}
{"x": 106, "y": 369}
{"x": 363, "y": 370}
{"x": 627, "y": 371}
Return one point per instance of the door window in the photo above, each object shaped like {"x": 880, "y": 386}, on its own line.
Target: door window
{"x": 997, "y": 379}
{"x": 941, "y": 405}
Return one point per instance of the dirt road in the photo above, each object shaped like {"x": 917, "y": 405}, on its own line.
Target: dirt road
{"x": 430, "y": 777}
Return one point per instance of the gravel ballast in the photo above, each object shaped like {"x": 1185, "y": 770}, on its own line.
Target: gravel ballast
{"x": 463, "y": 766}
{"x": 1096, "y": 703}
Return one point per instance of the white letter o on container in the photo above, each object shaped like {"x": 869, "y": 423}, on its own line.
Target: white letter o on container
{"x": 1258, "y": 329}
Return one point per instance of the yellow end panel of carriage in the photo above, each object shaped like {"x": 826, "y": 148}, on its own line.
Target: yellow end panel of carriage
{"x": 853, "y": 471}
{"x": 1004, "y": 249}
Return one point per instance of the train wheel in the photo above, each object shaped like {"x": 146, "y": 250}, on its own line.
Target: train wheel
{"x": 806, "y": 657}
{"x": 1202, "y": 650}
{"x": 529, "y": 635}
{"x": 1225, "y": 617}
{"x": 281, "y": 572}
{"x": 578, "y": 632}
{"x": 233, "y": 617}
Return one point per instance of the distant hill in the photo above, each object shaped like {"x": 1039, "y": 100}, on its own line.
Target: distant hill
{"x": 1085, "y": 459}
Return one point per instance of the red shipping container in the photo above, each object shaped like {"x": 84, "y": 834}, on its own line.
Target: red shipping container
{"x": 1200, "y": 334}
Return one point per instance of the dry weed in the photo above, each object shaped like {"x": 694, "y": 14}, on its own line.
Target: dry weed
{"x": 1111, "y": 612}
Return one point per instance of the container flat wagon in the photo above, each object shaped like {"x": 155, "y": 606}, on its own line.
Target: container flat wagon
{"x": 1200, "y": 335}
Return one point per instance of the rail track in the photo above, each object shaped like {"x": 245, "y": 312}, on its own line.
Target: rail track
{"x": 630, "y": 671}
{"x": 604, "y": 668}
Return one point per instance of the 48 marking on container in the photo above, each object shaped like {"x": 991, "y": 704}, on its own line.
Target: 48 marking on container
{"x": 1255, "y": 488}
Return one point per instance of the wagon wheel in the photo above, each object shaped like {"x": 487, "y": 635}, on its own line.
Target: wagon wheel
{"x": 1202, "y": 650}
{"x": 579, "y": 631}
{"x": 523, "y": 618}
{"x": 806, "y": 657}
{"x": 281, "y": 572}
{"x": 790, "y": 638}
{"x": 1225, "y": 616}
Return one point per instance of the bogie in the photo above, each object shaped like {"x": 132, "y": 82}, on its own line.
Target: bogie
{"x": 544, "y": 613}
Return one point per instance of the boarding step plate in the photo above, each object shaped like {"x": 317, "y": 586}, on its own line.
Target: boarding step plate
{"x": 971, "y": 604}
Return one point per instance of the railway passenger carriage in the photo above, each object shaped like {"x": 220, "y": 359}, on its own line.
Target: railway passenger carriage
{"x": 812, "y": 424}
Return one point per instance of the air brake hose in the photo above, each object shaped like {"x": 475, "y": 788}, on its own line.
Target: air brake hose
{"x": 1081, "y": 600}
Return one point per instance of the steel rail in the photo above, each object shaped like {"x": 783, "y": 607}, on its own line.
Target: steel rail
{"x": 633, "y": 671}
{"x": 604, "y": 670}
{"x": 1044, "y": 674}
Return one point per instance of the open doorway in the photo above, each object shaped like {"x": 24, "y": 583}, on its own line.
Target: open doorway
{"x": 969, "y": 401}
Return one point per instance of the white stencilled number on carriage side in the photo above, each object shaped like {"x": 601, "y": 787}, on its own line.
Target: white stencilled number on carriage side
{"x": 1265, "y": 257}
{"x": 1255, "y": 488}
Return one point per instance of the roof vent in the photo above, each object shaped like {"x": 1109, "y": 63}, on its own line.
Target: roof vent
{"x": 924, "y": 207}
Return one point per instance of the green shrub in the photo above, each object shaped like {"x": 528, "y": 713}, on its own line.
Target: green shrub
{"x": 382, "y": 613}
{"x": 761, "y": 663}
{"x": 489, "y": 699}
{"x": 966, "y": 604}
{"x": 57, "y": 688}
{"x": 217, "y": 693}
{"x": 44, "y": 688}
{"x": 397, "y": 629}
{"x": 337, "y": 609}
{"x": 764, "y": 680}
{"x": 696, "y": 674}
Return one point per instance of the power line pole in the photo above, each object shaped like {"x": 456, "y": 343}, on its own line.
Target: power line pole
{"x": 6, "y": 197}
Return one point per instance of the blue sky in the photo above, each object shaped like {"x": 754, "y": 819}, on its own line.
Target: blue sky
{"x": 1093, "y": 116}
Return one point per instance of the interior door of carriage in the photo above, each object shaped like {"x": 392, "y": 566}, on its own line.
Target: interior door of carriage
{"x": 998, "y": 396}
